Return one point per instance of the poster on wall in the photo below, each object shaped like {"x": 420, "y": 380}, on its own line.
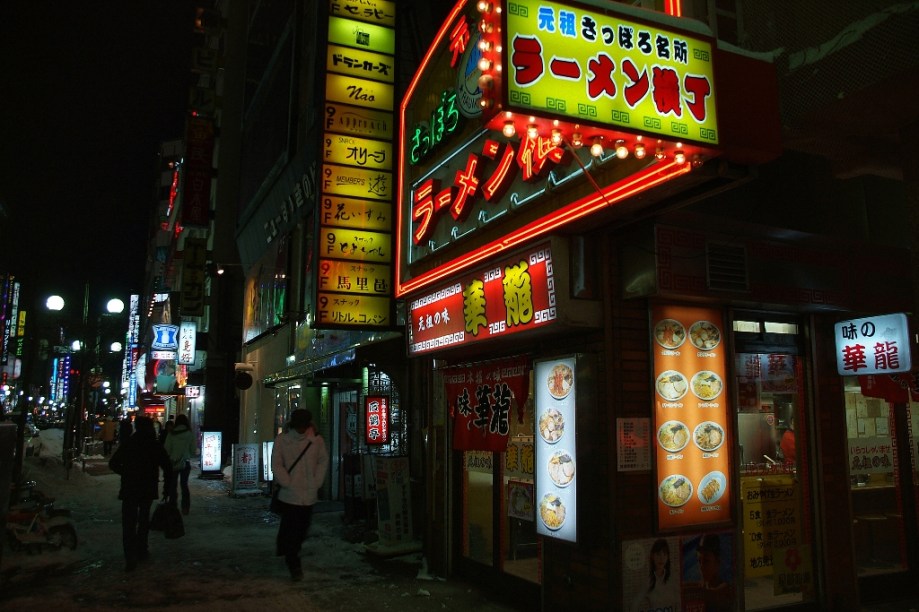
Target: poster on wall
{"x": 556, "y": 448}
{"x": 651, "y": 575}
{"x": 691, "y": 408}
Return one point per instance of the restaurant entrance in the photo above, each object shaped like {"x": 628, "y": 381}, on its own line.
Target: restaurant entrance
{"x": 883, "y": 477}
{"x": 775, "y": 469}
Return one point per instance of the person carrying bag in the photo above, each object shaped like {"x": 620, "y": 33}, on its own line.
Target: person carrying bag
{"x": 299, "y": 488}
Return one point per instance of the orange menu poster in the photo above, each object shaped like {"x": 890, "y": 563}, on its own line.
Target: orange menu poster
{"x": 691, "y": 408}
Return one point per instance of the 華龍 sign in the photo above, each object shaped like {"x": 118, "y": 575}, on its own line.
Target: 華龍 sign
{"x": 873, "y": 345}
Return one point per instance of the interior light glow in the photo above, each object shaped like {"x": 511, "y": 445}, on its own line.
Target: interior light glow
{"x": 532, "y": 131}
{"x": 484, "y": 6}
{"x": 509, "y": 129}
{"x": 639, "y": 151}
{"x": 622, "y": 151}
{"x": 484, "y": 64}
{"x": 556, "y": 137}
{"x": 486, "y": 81}
{"x": 659, "y": 153}
{"x": 679, "y": 157}
{"x": 577, "y": 141}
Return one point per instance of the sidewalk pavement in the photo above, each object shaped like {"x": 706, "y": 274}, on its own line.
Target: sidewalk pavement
{"x": 225, "y": 561}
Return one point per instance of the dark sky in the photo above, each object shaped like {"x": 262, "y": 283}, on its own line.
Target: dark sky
{"x": 89, "y": 90}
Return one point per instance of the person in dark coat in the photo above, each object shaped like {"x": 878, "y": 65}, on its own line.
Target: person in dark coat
{"x": 138, "y": 460}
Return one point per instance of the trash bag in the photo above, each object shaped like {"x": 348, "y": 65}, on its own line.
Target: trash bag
{"x": 168, "y": 519}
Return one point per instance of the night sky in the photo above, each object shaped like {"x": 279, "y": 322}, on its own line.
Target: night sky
{"x": 89, "y": 90}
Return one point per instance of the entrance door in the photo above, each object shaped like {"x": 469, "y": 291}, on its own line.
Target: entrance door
{"x": 772, "y": 421}
{"x": 883, "y": 477}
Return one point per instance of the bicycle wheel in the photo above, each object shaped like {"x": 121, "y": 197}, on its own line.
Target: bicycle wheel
{"x": 63, "y": 535}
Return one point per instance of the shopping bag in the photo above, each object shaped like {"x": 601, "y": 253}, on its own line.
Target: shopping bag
{"x": 173, "y": 526}
{"x": 158, "y": 520}
{"x": 275, "y": 505}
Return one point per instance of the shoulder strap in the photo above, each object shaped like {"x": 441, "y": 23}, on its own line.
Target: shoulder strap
{"x": 305, "y": 448}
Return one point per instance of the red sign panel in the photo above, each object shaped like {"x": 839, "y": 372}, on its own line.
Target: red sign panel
{"x": 507, "y": 297}
{"x": 376, "y": 409}
{"x": 480, "y": 397}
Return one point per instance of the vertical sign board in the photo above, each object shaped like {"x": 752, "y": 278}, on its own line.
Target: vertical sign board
{"x": 376, "y": 409}
{"x": 245, "y": 467}
{"x": 691, "y": 408}
{"x": 556, "y": 448}
{"x": 211, "y": 451}
{"x": 354, "y": 270}
{"x": 873, "y": 345}
{"x": 394, "y": 508}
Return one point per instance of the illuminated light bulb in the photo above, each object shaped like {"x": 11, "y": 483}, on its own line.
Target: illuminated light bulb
{"x": 532, "y": 131}
{"x": 622, "y": 151}
{"x": 484, "y": 64}
{"x": 484, "y": 45}
{"x": 509, "y": 129}
{"x": 679, "y": 157}
{"x": 556, "y": 137}
{"x": 596, "y": 149}
{"x": 576, "y": 140}
{"x": 486, "y": 81}
{"x": 659, "y": 153}
{"x": 484, "y": 6}
{"x": 486, "y": 102}
{"x": 639, "y": 151}
{"x": 485, "y": 27}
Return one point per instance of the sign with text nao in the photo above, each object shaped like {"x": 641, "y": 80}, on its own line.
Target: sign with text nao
{"x": 873, "y": 345}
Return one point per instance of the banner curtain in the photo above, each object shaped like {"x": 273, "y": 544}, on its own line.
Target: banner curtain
{"x": 895, "y": 388}
{"x": 480, "y": 397}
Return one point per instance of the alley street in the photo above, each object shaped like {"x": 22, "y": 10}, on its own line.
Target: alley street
{"x": 224, "y": 562}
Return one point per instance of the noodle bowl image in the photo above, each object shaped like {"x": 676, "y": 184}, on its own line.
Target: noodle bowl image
{"x": 673, "y": 436}
{"x": 671, "y": 385}
{"x": 675, "y": 490}
{"x": 706, "y": 385}
{"x": 552, "y": 511}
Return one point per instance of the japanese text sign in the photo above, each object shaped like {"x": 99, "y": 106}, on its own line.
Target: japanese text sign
{"x": 480, "y": 397}
{"x": 187, "y": 335}
{"x": 382, "y": 12}
{"x": 601, "y": 67}
{"x": 873, "y": 345}
{"x": 376, "y": 411}
{"x": 510, "y": 296}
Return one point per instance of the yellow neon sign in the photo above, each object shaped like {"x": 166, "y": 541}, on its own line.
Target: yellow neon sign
{"x": 359, "y": 92}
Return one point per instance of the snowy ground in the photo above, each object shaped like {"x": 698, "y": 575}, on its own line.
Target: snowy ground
{"x": 224, "y": 562}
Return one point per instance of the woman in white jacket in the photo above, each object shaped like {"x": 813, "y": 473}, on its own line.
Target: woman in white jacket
{"x": 299, "y": 461}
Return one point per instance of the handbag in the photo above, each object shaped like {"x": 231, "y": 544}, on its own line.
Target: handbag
{"x": 158, "y": 520}
{"x": 276, "y": 506}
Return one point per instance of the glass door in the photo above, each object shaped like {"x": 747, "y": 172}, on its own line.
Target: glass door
{"x": 883, "y": 475}
{"x": 775, "y": 491}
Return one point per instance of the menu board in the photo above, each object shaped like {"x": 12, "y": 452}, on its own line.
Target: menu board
{"x": 691, "y": 408}
{"x": 556, "y": 452}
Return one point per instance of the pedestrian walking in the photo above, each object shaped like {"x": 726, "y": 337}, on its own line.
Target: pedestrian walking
{"x": 107, "y": 435}
{"x": 180, "y": 446}
{"x": 299, "y": 461}
{"x": 138, "y": 460}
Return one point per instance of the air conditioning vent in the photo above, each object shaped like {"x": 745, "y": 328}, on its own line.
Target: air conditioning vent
{"x": 726, "y": 267}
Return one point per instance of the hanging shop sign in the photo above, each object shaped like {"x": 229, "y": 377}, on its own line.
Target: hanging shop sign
{"x": 376, "y": 412}
{"x": 188, "y": 332}
{"x": 691, "y": 408}
{"x": 355, "y": 245}
{"x": 555, "y": 388}
{"x": 340, "y": 309}
{"x": 165, "y": 337}
{"x": 360, "y": 152}
{"x": 380, "y": 12}
{"x": 514, "y": 294}
{"x": 360, "y": 63}
{"x": 484, "y": 143}
{"x": 358, "y": 121}
{"x": 605, "y": 67}
{"x": 359, "y": 92}
{"x": 355, "y": 277}
{"x": 196, "y": 196}
{"x": 365, "y": 215}
{"x": 873, "y": 345}
{"x": 481, "y": 397}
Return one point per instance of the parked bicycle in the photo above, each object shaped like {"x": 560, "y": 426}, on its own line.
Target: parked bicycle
{"x": 32, "y": 522}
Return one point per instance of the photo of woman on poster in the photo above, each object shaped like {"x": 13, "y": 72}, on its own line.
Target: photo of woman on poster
{"x": 662, "y": 591}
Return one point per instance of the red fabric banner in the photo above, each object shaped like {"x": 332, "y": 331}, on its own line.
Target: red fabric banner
{"x": 894, "y": 388}
{"x": 480, "y": 397}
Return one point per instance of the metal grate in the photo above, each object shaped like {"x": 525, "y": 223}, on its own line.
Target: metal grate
{"x": 726, "y": 267}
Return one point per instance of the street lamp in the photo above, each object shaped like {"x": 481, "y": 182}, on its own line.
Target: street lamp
{"x": 74, "y": 418}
